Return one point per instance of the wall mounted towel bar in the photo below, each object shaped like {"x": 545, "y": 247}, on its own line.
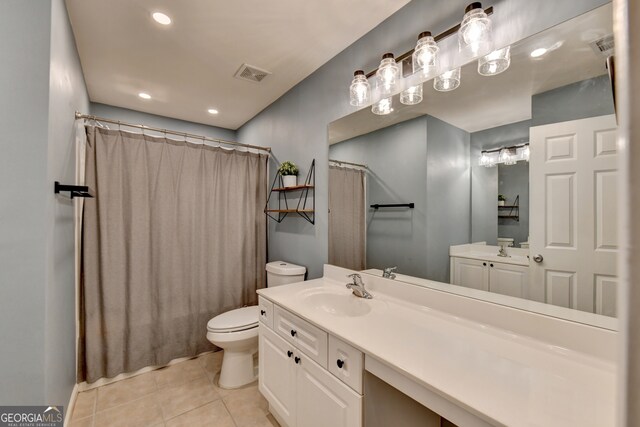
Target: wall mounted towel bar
{"x": 74, "y": 190}
{"x": 394, "y": 205}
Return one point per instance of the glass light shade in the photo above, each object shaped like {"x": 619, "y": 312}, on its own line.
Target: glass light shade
{"x": 387, "y": 74}
{"x": 412, "y": 95}
{"x": 525, "y": 153}
{"x": 382, "y": 107}
{"x": 360, "y": 90}
{"x": 474, "y": 36}
{"x": 447, "y": 81}
{"x": 488, "y": 159}
{"x": 508, "y": 156}
{"x": 495, "y": 63}
{"x": 425, "y": 55}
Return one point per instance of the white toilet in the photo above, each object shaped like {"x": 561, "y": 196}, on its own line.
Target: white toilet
{"x": 236, "y": 331}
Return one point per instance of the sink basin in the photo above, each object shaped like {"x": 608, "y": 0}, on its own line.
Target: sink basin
{"x": 346, "y": 305}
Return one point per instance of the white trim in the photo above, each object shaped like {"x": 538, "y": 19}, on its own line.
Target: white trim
{"x": 71, "y": 406}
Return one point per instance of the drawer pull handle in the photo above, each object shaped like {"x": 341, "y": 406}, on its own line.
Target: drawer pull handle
{"x": 293, "y": 333}
{"x": 289, "y": 353}
{"x": 297, "y": 359}
{"x": 262, "y": 312}
{"x": 340, "y": 363}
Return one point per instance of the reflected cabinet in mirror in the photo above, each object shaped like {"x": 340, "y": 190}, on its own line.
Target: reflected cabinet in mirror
{"x": 503, "y": 189}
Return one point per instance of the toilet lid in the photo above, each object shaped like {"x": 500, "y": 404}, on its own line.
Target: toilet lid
{"x": 234, "y": 320}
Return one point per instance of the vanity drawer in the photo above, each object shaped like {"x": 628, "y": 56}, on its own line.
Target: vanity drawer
{"x": 266, "y": 312}
{"x": 346, "y": 362}
{"x": 309, "y": 339}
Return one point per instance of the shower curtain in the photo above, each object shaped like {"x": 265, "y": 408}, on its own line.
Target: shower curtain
{"x": 175, "y": 236}
{"x": 347, "y": 231}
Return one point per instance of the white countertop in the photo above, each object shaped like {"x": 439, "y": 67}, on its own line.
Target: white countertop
{"x": 495, "y": 374}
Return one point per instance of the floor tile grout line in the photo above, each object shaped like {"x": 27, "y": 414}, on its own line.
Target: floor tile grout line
{"x": 192, "y": 409}
{"x": 233, "y": 419}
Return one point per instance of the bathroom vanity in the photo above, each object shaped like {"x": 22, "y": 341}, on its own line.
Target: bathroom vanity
{"x": 473, "y": 362}
{"x": 480, "y": 267}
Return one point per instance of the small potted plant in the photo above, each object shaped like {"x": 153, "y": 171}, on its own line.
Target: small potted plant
{"x": 289, "y": 172}
{"x": 501, "y": 199}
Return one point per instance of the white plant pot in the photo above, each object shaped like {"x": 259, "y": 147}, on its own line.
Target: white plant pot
{"x": 289, "y": 180}
{"x": 500, "y": 202}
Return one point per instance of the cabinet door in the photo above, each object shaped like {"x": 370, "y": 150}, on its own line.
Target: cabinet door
{"x": 470, "y": 273}
{"x": 323, "y": 400}
{"x": 277, "y": 374}
{"x": 508, "y": 279}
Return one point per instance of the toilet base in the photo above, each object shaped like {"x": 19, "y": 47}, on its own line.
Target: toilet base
{"x": 237, "y": 369}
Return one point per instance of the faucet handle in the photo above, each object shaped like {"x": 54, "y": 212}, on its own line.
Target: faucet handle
{"x": 391, "y": 269}
{"x": 357, "y": 279}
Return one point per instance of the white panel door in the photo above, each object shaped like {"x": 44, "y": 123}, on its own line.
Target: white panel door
{"x": 322, "y": 399}
{"x": 277, "y": 374}
{"x": 470, "y": 273}
{"x": 509, "y": 279}
{"x": 573, "y": 220}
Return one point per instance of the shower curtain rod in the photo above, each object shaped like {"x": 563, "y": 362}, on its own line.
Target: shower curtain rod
{"x": 166, "y": 131}
{"x": 349, "y": 163}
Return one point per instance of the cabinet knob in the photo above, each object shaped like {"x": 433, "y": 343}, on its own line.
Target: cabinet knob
{"x": 297, "y": 359}
{"x": 340, "y": 363}
{"x": 293, "y": 333}
{"x": 262, "y": 312}
{"x": 289, "y": 353}
{"x": 484, "y": 263}
{"x": 491, "y": 264}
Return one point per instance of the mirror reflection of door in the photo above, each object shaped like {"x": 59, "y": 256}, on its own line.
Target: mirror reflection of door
{"x": 347, "y": 231}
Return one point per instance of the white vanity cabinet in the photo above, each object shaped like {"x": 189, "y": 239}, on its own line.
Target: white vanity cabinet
{"x": 486, "y": 275}
{"x": 294, "y": 378}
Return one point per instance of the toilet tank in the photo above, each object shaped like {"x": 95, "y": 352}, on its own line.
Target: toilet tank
{"x": 283, "y": 273}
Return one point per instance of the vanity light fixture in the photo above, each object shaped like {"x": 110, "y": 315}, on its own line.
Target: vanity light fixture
{"x": 161, "y": 18}
{"x": 412, "y": 95}
{"x": 447, "y": 81}
{"x": 505, "y": 155}
{"x": 425, "y": 55}
{"x": 360, "y": 90}
{"x": 488, "y": 159}
{"x": 508, "y": 156}
{"x": 536, "y": 53}
{"x": 387, "y": 74}
{"x": 525, "y": 153}
{"x": 495, "y": 63}
{"x": 474, "y": 36}
{"x": 382, "y": 107}
{"x": 144, "y": 95}
{"x": 212, "y": 111}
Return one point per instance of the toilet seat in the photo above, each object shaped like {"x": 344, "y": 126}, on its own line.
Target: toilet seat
{"x": 237, "y": 320}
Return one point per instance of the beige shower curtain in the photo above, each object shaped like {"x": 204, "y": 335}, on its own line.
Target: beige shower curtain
{"x": 347, "y": 229}
{"x": 175, "y": 235}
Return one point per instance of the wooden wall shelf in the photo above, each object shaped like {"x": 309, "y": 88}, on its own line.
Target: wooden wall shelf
{"x": 301, "y": 208}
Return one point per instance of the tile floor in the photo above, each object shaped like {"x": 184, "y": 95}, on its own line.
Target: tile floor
{"x": 184, "y": 394}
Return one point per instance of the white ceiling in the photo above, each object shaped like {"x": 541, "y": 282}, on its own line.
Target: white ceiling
{"x": 485, "y": 102}
{"x": 188, "y": 66}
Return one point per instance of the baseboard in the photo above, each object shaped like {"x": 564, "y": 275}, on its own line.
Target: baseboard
{"x": 71, "y": 405}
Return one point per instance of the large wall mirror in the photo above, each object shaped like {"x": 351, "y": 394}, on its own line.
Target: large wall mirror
{"x": 503, "y": 189}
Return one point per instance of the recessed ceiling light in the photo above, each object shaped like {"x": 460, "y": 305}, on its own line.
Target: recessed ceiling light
{"x": 212, "y": 111}
{"x": 538, "y": 52}
{"x": 144, "y": 95}
{"x": 161, "y": 18}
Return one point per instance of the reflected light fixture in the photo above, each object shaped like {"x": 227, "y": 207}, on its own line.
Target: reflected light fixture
{"x": 447, "y": 81}
{"x": 526, "y": 153}
{"x": 360, "y": 90}
{"x": 161, "y": 18}
{"x": 495, "y": 63}
{"x": 212, "y": 111}
{"x": 425, "y": 55}
{"x": 412, "y": 95}
{"x": 144, "y": 95}
{"x": 474, "y": 36}
{"x": 536, "y": 53}
{"x": 387, "y": 74}
{"x": 382, "y": 107}
{"x": 508, "y": 156}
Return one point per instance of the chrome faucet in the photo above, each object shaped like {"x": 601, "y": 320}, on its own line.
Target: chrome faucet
{"x": 502, "y": 252}
{"x": 388, "y": 272}
{"x": 358, "y": 286}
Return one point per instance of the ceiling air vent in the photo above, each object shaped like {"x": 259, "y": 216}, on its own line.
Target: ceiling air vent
{"x": 603, "y": 46}
{"x": 251, "y": 73}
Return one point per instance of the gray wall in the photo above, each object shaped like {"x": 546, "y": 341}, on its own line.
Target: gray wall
{"x": 138, "y": 117}
{"x": 397, "y": 158}
{"x": 588, "y": 98}
{"x": 42, "y": 84}
{"x": 295, "y": 125}
{"x": 484, "y": 181}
